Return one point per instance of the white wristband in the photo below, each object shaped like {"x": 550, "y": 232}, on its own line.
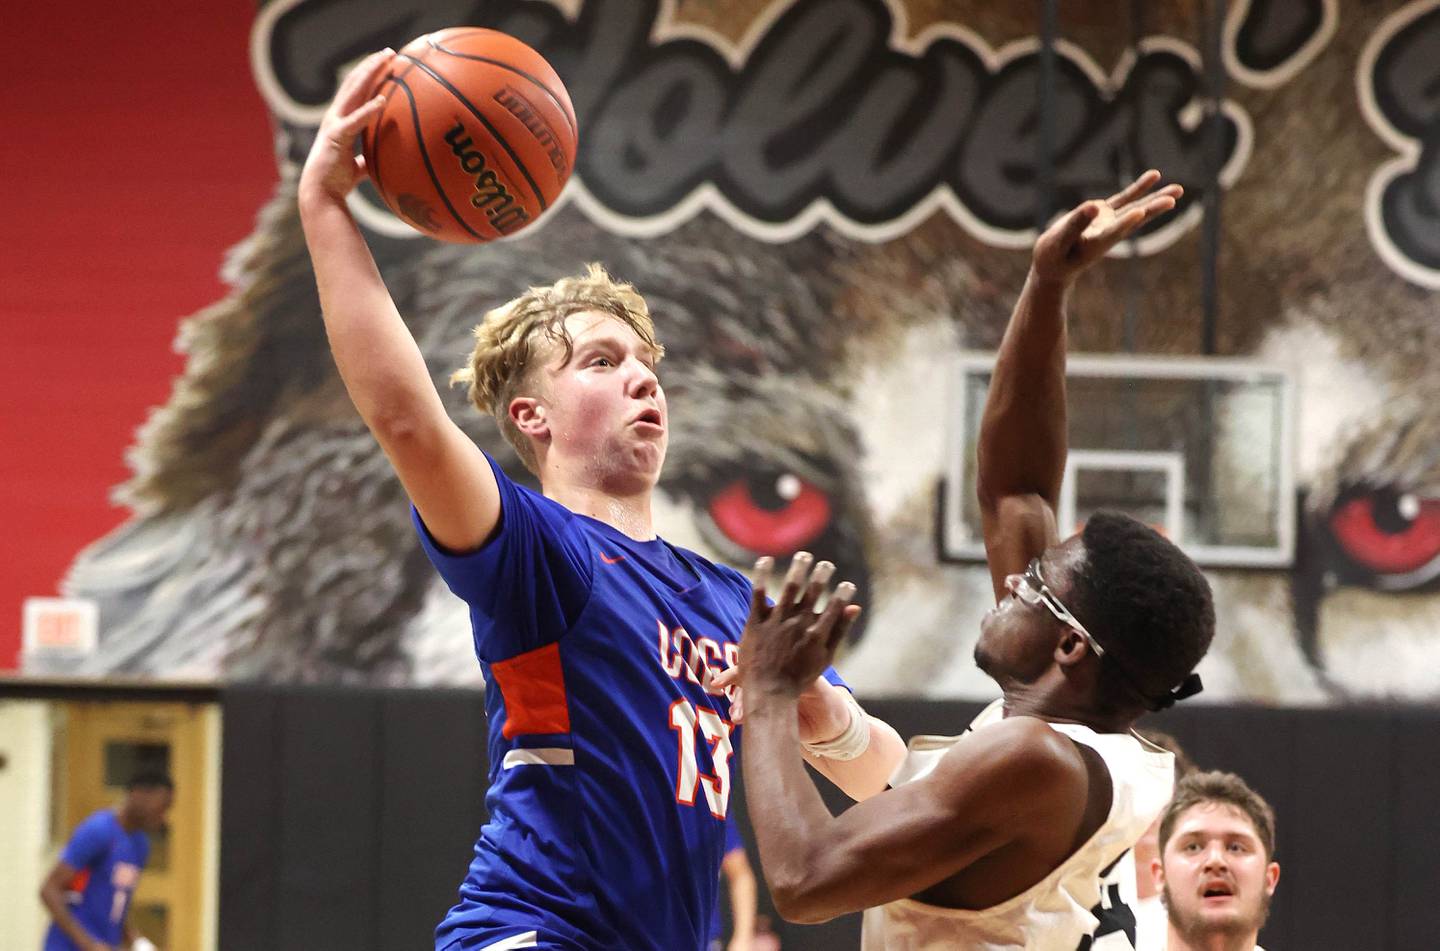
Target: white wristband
{"x": 852, "y": 742}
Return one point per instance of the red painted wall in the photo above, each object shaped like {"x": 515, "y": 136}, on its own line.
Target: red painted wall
{"x": 135, "y": 151}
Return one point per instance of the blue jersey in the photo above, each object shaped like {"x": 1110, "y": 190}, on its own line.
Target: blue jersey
{"x": 107, "y": 862}
{"x": 610, "y": 761}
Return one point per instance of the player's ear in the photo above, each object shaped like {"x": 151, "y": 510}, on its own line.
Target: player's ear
{"x": 1272, "y": 877}
{"x": 1070, "y": 649}
{"x": 528, "y": 415}
{"x": 1157, "y": 876}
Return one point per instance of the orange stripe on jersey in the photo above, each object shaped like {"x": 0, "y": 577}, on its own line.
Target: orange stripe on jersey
{"x": 78, "y": 881}
{"x": 533, "y": 686}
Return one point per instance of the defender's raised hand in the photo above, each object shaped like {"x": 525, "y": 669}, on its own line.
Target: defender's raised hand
{"x": 787, "y": 645}
{"x": 1077, "y": 240}
{"x": 332, "y": 166}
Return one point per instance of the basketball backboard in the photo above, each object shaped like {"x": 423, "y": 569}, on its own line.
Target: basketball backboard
{"x": 1198, "y": 447}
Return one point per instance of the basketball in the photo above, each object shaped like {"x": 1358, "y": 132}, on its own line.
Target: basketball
{"x": 476, "y": 138}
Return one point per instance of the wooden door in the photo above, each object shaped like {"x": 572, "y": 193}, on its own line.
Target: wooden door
{"x": 105, "y": 745}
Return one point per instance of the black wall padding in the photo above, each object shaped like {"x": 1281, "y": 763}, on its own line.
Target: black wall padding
{"x": 348, "y": 815}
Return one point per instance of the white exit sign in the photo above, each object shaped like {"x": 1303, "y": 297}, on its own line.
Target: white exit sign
{"x": 65, "y": 626}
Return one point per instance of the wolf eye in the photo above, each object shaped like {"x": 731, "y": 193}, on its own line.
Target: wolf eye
{"x": 1386, "y": 531}
{"x": 770, "y": 514}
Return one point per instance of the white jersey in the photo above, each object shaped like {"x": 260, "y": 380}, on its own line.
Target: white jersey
{"x": 1127, "y": 921}
{"x": 1054, "y": 914}
{"x": 1151, "y": 924}
{"x": 1118, "y": 911}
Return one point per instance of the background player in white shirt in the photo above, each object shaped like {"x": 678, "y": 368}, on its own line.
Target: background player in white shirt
{"x": 1217, "y": 868}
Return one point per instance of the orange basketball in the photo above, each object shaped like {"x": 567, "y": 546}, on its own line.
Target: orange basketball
{"x": 477, "y": 136}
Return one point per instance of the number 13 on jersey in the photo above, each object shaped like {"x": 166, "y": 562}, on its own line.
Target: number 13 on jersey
{"x": 687, "y": 721}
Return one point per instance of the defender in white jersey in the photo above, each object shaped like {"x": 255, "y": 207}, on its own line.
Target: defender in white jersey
{"x": 1132, "y": 916}
{"x": 996, "y": 840}
{"x": 1051, "y": 909}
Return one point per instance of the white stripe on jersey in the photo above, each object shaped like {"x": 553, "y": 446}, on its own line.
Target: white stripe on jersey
{"x": 529, "y": 939}
{"x": 544, "y": 756}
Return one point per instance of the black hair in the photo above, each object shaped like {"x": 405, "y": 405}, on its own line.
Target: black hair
{"x": 150, "y": 779}
{"x": 1147, "y": 604}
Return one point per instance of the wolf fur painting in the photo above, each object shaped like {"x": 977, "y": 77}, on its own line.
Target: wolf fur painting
{"x": 824, "y": 202}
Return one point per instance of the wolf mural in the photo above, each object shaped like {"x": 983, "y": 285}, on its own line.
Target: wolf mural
{"x": 824, "y": 200}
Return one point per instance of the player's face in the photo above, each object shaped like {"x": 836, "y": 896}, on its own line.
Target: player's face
{"x": 606, "y": 410}
{"x": 1017, "y": 640}
{"x": 1217, "y": 879}
{"x": 151, "y": 805}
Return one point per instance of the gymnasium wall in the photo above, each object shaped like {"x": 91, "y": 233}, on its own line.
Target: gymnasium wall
{"x": 137, "y": 153}
{"x": 348, "y": 815}
{"x": 26, "y": 759}
{"x": 828, "y": 203}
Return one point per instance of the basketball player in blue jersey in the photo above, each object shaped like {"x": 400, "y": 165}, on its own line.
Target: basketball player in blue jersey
{"x": 996, "y": 839}
{"x": 610, "y": 747}
{"x": 88, "y": 891}
{"x": 740, "y": 878}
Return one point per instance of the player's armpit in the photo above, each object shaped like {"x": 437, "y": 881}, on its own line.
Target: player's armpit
{"x": 60, "y": 875}
{"x": 1016, "y": 529}
{"x": 448, "y": 479}
{"x": 986, "y": 792}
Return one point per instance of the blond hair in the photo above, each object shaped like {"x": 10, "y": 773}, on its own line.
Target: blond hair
{"x": 499, "y": 365}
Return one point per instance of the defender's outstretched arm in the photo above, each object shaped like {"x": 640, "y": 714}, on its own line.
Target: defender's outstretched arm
{"x": 1022, "y": 445}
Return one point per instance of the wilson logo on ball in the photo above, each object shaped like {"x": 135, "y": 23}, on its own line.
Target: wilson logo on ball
{"x": 491, "y": 196}
{"x": 523, "y": 111}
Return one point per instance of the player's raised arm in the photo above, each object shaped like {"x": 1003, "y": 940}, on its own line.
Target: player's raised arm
{"x": 444, "y": 473}
{"x": 1022, "y": 442}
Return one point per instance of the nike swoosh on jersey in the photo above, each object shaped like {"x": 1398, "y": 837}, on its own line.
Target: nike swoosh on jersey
{"x": 611, "y": 561}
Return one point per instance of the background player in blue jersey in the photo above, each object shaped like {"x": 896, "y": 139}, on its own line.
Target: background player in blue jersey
{"x": 740, "y": 879}
{"x": 610, "y": 746}
{"x": 88, "y": 891}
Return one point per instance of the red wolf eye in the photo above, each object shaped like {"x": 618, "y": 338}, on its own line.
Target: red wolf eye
{"x": 771, "y": 516}
{"x": 1387, "y": 531}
